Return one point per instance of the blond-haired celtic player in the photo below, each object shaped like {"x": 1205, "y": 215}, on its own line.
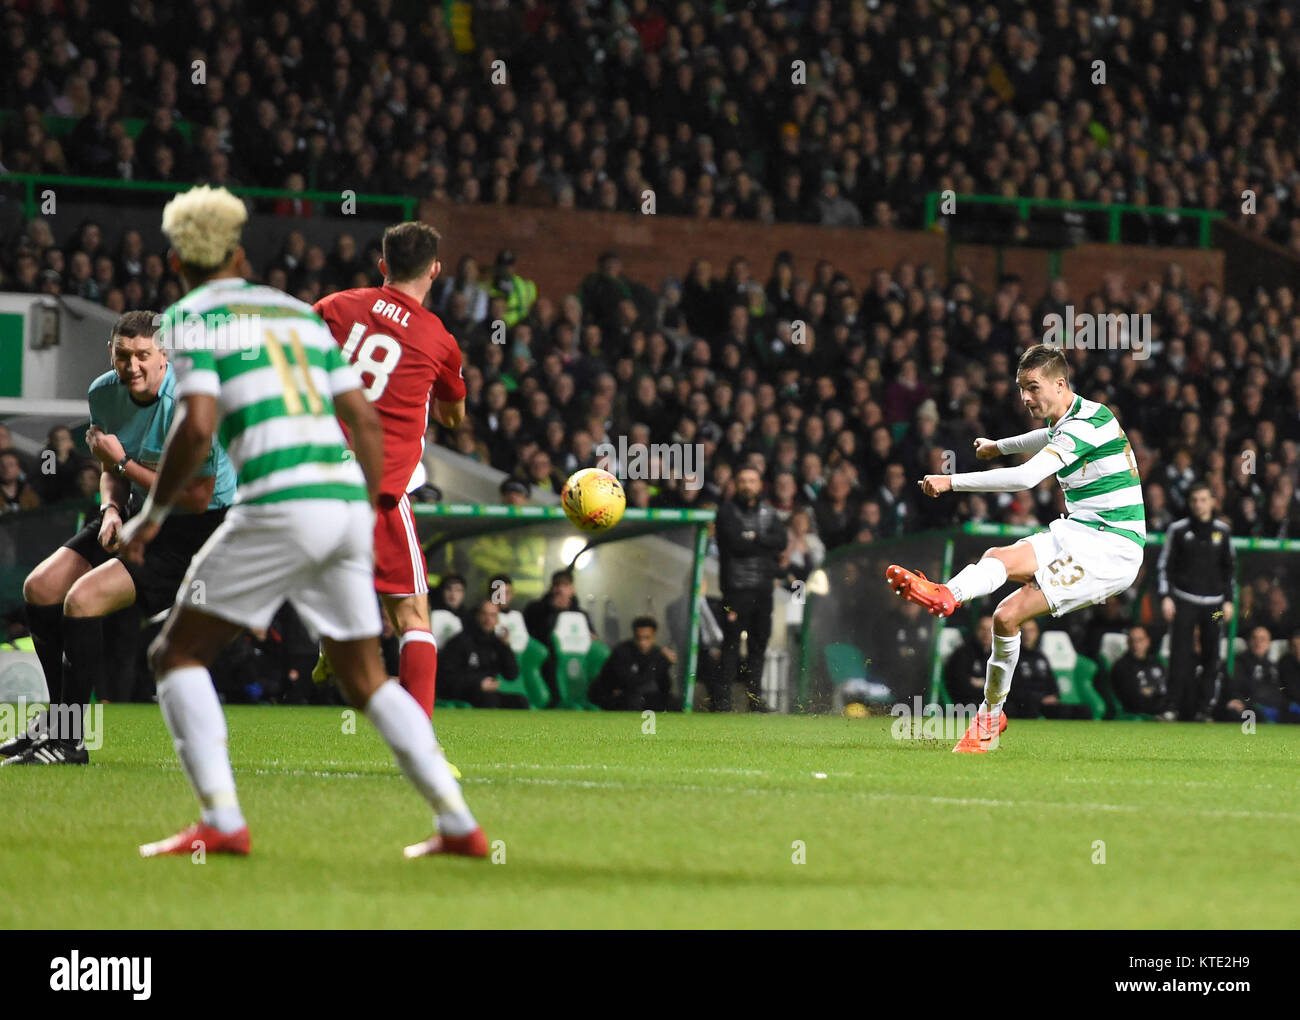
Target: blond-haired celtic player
{"x": 1082, "y": 559}
{"x": 263, "y": 369}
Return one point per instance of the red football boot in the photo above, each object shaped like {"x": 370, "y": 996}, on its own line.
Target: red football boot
{"x": 472, "y": 844}
{"x": 200, "y": 837}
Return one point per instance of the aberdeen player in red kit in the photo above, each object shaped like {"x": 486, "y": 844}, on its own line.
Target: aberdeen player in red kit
{"x": 410, "y": 367}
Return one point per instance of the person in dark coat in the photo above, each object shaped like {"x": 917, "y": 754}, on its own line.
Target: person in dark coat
{"x": 638, "y": 675}
{"x": 474, "y": 662}
{"x": 751, "y": 539}
{"x": 1138, "y": 677}
{"x": 1257, "y": 685}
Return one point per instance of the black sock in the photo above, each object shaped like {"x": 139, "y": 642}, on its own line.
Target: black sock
{"x": 46, "y": 625}
{"x": 83, "y": 665}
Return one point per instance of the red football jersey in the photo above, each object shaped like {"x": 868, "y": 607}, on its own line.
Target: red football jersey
{"x": 403, "y": 353}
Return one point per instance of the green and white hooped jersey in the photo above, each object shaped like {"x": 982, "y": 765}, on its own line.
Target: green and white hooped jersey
{"x": 1098, "y": 473}
{"x": 275, "y": 369}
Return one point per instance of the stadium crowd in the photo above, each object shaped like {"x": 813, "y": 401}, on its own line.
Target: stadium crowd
{"x": 602, "y": 101}
{"x": 796, "y": 111}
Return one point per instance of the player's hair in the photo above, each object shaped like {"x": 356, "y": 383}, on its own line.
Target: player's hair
{"x": 1049, "y": 360}
{"x": 409, "y": 249}
{"x": 1200, "y": 485}
{"x": 204, "y": 226}
{"x": 134, "y": 324}
{"x": 561, "y": 575}
{"x": 644, "y": 621}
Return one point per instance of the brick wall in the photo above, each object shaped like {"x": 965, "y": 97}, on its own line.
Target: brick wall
{"x": 557, "y": 248}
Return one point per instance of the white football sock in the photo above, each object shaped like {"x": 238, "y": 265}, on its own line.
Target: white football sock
{"x": 400, "y": 721}
{"x": 981, "y": 578}
{"x": 193, "y": 714}
{"x": 997, "y": 679}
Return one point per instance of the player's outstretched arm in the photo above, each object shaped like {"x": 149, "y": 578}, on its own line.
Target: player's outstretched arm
{"x": 1012, "y": 479}
{"x": 1028, "y": 442}
{"x": 362, "y": 420}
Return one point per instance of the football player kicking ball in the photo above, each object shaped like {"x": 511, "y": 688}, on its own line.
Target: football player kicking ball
{"x": 409, "y": 365}
{"x": 1081, "y": 560}
{"x": 301, "y": 528}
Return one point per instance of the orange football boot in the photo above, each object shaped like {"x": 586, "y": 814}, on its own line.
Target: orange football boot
{"x": 916, "y": 587}
{"x": 980, "y": 737}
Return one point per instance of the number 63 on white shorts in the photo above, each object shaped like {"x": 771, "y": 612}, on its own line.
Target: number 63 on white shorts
{"x": 1080, "y": 566}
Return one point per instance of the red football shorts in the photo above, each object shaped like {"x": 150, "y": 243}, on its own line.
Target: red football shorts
{"x": 399, "y": 560}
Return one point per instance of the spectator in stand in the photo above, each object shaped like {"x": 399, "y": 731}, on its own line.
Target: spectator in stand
{"x": 1257, "y": 686}
{"x": 59, "y": 482}
{"x": 475, "y": 661}
{"x": 638, "y": 675}
{"x": 514, "y": 492}
{"x": 450, "y": 595}
{"x": 540, "y": 617}
{"x": 15, "y": 492}
{"x": 1138, "y": 677}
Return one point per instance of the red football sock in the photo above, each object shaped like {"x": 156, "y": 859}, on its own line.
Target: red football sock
{"x": 417, "y": 668}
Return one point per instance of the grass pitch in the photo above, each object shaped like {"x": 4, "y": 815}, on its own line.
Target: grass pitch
{"x": 701, "y": 824}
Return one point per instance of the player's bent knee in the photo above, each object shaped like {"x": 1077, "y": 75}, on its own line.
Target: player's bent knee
{"x": 41, "y": 588}
{"x": 1006, "y": 619}
{"x": 80, "y": 601}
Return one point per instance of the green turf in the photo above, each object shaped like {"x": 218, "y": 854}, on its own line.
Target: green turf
{"x": 605, "y": 826}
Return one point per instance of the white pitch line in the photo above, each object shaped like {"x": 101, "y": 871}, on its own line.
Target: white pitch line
{"x": 909, "y": 797}
{"x": 269, "y": 768}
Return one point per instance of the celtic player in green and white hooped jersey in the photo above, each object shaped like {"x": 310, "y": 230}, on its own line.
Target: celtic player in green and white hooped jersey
{"x": 270, "y": 381}
{"x": 274, "y": 368}
{"x": 1083, "y": 558}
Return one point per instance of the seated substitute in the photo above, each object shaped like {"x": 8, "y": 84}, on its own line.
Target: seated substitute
{"x": 1138, "y": 677}
{"x": 638, "y": 674}
{"x": 1257, "y": 685}
{"x": 474, "y": 662}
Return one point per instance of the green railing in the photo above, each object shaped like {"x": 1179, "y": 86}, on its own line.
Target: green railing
{"x": 1113, "y": 211}
{"x": 33, "y": 182}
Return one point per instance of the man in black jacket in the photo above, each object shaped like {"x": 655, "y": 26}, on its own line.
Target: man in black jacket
{"x": 1257, "y": 685}
{"x": 541, "y": 614}
{"x": 751, "y": 538}
{"x": 474, "y": 662}
{"x": 1138, "y": 677}
{"x": 637, "y": 675}
{"x": 1196, "y": 579}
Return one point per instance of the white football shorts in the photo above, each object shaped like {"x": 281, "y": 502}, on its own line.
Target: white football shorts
{"x": 1079, "y": 566}
{"x": 318, "y": 554}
